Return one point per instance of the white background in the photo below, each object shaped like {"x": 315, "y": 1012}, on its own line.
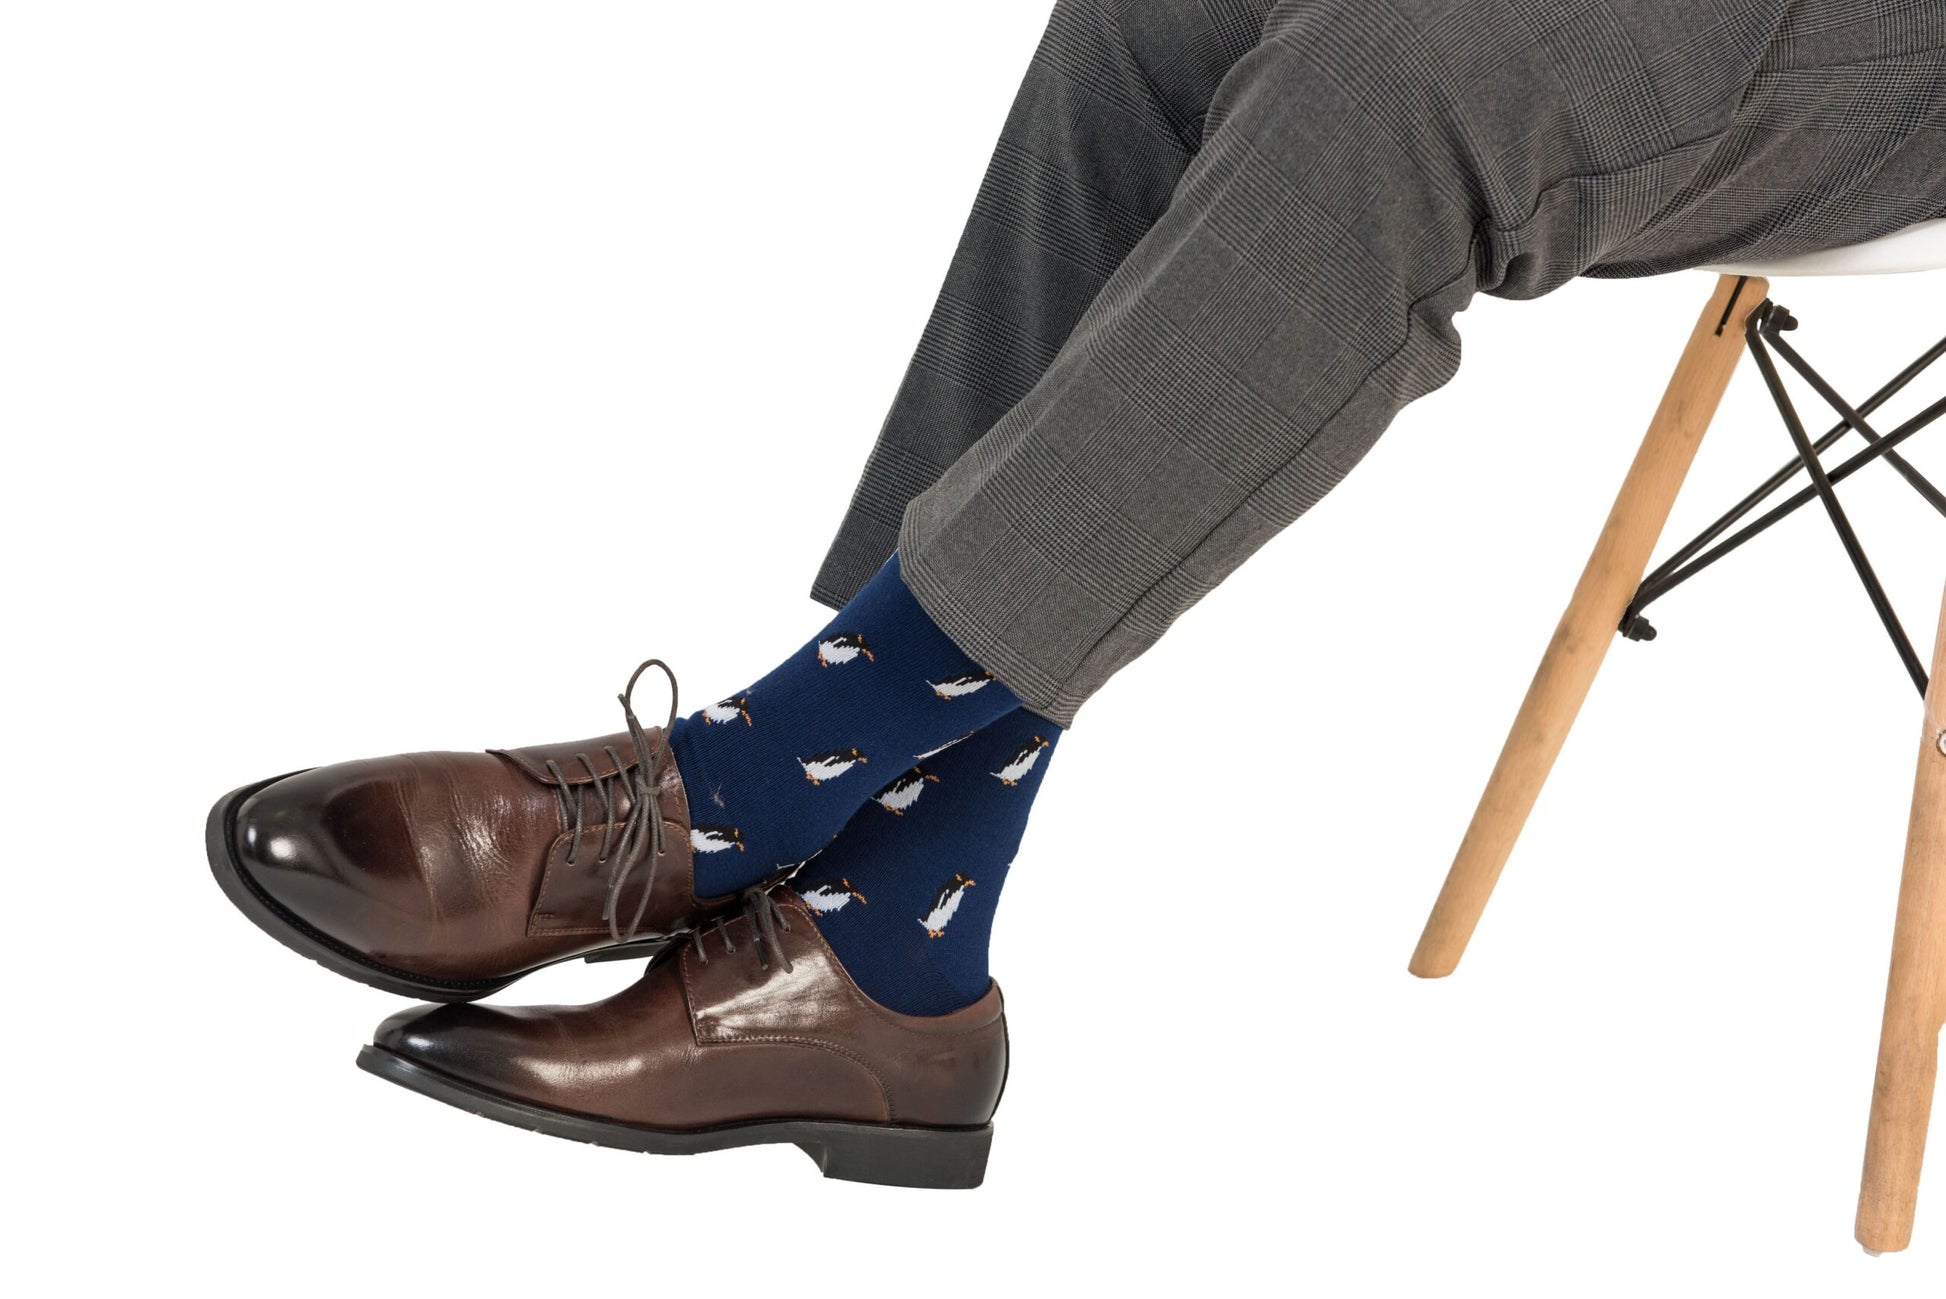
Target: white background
{"x": 390, "y": 376}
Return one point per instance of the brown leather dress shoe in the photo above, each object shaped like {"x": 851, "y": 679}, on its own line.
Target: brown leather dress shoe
{"x": 449, "y": 875}
{"x": 748, "y": 1033}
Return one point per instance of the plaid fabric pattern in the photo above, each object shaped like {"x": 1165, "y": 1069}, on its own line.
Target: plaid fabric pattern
{"x": 1221, "y": 244}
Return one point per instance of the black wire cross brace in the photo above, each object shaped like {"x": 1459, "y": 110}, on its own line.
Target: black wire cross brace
{"x": 1763, "y": 333}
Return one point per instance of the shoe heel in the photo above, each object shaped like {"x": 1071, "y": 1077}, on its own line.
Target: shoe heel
{"x": 635, "y": 951}
{"x": 935, "y": 1158}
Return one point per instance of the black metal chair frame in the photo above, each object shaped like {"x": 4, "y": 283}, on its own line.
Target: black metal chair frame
{"x": 1763, "y": 333}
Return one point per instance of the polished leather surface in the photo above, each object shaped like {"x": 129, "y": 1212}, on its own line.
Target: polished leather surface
{"x": 695, "y": 1044}
{"x": 453, "y": 866}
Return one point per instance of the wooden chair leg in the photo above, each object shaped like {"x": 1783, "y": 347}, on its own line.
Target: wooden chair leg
{"x": 1574, "y": 656}
{"x": 1915, "y": 996}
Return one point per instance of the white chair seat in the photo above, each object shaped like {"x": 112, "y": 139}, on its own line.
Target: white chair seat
{"x": 1915, "y": 248}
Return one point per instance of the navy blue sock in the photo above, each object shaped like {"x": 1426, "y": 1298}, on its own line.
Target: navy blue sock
{"x": 774, "y": 771}
{"x": 906, "y": 894}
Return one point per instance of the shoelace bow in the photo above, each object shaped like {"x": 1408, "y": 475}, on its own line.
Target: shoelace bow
{"x": 643, "y": 826}
{"x": 766, "y": 919}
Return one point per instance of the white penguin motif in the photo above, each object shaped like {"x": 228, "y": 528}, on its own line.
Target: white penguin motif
{"x": 944, "y": 905}
{"x": 820, "y": 767}
{"x": 904, "y": 792}
{"x": 964, "y": 684}
{"x": 1021, "y": 763}
{"x": 843, "y": 648}
{"x": 728, "y": 710}
{"x": 715, "y": 838}
{"x": 921, "y": 757}
{"x": 823, "y": 899}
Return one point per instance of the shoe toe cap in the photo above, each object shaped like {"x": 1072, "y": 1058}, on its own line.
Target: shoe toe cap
{"x": 493, "y": 1047}
{"x": 425, "y": 1034}
{"x": 328, "y": 846}
{"x": 615, "y": 1058}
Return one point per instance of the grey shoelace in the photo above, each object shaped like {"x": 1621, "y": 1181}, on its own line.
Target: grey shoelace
{"x": 767, "y": 920}
{"x": 643, "y": 826}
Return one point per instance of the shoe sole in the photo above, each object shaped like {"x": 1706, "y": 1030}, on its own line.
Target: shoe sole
{"x": 878, "y": 1153}
{"x": 273, "y": 918}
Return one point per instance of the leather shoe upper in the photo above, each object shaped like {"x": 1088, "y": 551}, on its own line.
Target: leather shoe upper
{"x": 748, "y": 1021}
{"x": 476, "y": 866}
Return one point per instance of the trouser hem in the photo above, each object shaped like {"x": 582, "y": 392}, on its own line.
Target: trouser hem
{"x": 1038, "y": 692}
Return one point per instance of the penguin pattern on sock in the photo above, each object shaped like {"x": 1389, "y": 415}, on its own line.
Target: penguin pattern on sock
{"x": 1021, "y": 762}
{"x": 944, "y": 904}
{"x": 823, "y": 899}
{"x": 715, "y": 838}
{"x": 843, "y": 648}
{"x": 728, "y": 710}
{"x": 964, "y": 684}
{"x": 904, "y": 792}
{"x": 933, "y": 872}
{"x": 776, "y": 769}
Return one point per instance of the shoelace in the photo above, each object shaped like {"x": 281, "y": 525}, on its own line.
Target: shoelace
{"x": 645, "y": 806}
{"x": 766, "y": 919}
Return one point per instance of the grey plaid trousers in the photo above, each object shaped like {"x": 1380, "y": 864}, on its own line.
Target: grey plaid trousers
{"x": 1221, "y": 243}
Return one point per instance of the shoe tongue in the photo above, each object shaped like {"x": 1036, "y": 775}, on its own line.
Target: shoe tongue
{"x": 568, "y": 754}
